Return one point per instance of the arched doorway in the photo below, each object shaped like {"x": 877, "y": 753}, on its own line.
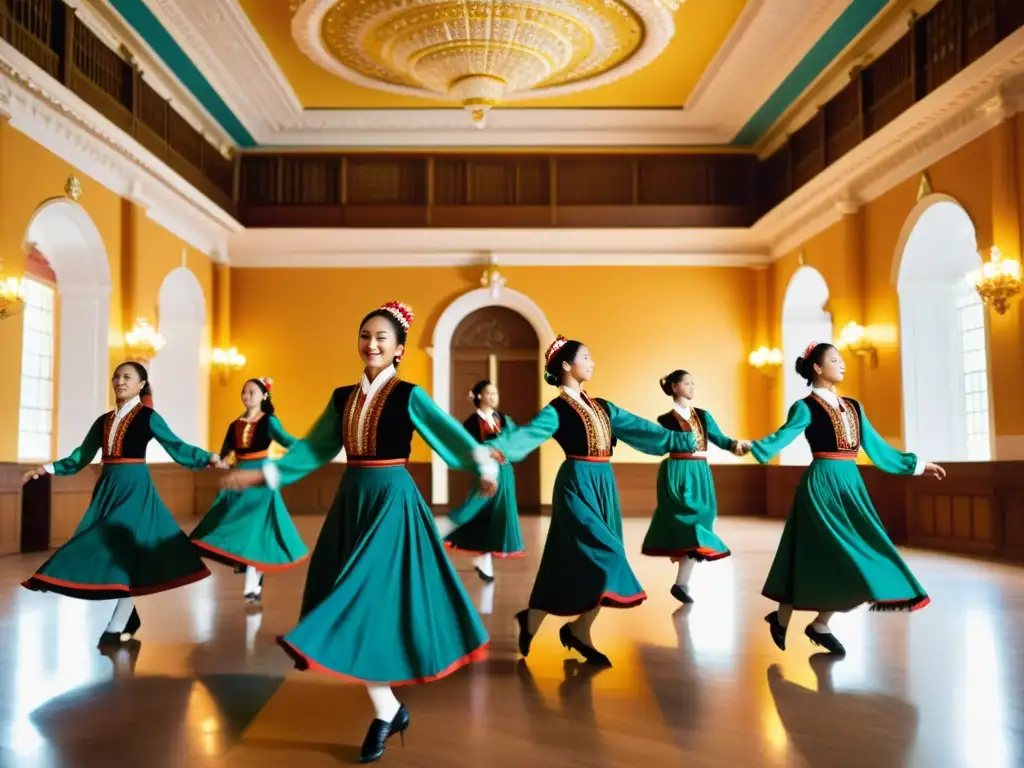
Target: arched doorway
{"x": 943, "y": 341}
{"x": 805, "y": 319}
{"x": 67, "y": 239}
{"x": 180, "y": 381}
{"x": 444, "y": 332}
{"x": 498, "y": 344}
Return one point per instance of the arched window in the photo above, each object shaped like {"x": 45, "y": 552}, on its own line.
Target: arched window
{"x": 804, "y": 320}
{"x": 942, "y": 336}
{"x": 38, "y": 349}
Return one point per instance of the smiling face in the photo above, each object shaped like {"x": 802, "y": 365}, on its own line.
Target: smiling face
{"x": 831, "y": 369}
{"x": 685, "y": 387}
{"x": 252, "y": 396}
{"x": 489, "y": 397}
{"x": 582, "y": 366}
{"x": 126, "y": 382}
{"x": 378, "y": 344}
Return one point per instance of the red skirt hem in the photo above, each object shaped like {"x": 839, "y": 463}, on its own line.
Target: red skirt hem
{"x": 230, "y": 559}
{"x": 606, "y": 600}
{"x": 70, "y": 588}
{"x": 503, "y": 555}
{"x": 677, "y": 554}
{"x": 304, "y": 663}
{"x": 911, "y": 605}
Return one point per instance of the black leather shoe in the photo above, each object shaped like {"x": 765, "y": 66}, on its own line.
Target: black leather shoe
{"x": 108, "y": 639}
{"x": 592, "y": 655}
{"x": 778, "y": 631}
{"x": 681, "y": 594}
{"x": 825, "y": 640}
{"x": 483, "y": 576}
{"x": 525, "y": 638}
{"x": 380, "y": 731}
{"x": 255, "y": 597}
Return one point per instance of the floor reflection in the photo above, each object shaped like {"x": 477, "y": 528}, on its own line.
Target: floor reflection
{"x": 205, "y": 684}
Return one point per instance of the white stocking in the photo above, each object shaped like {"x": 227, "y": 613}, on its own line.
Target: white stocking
{"x": 785, "y": 611}
{"x": 385, "y": 704}
{"x": 122, "y": 612}
{"x": 487, "y": 599}
{"x": 685, "y": 570}
{"x": 581, "y": 626}
{"x": 485, "y": 564}
{"x": 821, "y": 621}
{"x": 533, "y": 620}
{"x": 252, "y": 581}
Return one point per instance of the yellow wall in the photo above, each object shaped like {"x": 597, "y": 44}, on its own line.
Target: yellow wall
{"x": 140, "y": 254}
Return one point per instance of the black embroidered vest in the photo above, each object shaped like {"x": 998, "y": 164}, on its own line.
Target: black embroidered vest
{"x": 480, "y": 430}
{"x": 131, "y": 437}
{"x": 825, "y": 433}
{"x": 577, "y": 434}
{"x": 698, "y": 424}
{"x": 387, "y": 430}
{"x": 248, "y": 438}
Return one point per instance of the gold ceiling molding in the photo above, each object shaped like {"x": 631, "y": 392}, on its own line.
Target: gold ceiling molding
{"x": 478, "y": 53}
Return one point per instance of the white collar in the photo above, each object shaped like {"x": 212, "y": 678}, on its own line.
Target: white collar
{"x": 369, "y": 389}
{"x": 684, "y": 412}
{"x": 828, "y": 396}
{"x": 128, "y": 406}
{"x": 490, "y": 418}
{"x": 576, "y": 394}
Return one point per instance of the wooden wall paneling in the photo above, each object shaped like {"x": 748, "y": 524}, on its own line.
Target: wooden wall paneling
{"x": 177, "y": 489}
{"x": 10, "y": 508}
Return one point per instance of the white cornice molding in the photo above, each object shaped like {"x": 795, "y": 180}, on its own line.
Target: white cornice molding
{"x": 766, "y": 42}
{"x": 958, "y": 112}
{"x": 54, "y": 117}
{"x": 362, "y": 248}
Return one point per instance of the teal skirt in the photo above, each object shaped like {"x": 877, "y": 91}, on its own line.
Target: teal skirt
{"x": 683, "y": 523}
{"x": 492, "y": 524}
{"x": 834, "y": 554}
{"x": 584, "y": 564}
{"x": 250, "y": 527}
{"x": 127, "y": 544}
{"x": 382, "y": 601}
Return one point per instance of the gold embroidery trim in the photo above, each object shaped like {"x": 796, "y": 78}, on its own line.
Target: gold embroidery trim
{"x": 700, "y": 438}
{"x": 244, "y": 432}
{"x": 351, "y": 421}
{"x": 596, "y": 423}
{"x": 842, "y": 443}
{"x": 122, "y": 429}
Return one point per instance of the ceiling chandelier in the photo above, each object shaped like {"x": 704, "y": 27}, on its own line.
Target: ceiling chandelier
{"x": 479, "y": 53}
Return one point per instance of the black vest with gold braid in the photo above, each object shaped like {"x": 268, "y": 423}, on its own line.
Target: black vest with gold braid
{"x": 579, "y": 434}
{"x": 698, "y": 424}
{"x": 131, "y": 437}
{"x": 387, "y": 430}
{"x": 826, "y": 433}
{"x": 479, "y": 428}
{"x": 248, "y": 439}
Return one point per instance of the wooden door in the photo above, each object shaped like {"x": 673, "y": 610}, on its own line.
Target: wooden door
{"x": 500, "y": 345}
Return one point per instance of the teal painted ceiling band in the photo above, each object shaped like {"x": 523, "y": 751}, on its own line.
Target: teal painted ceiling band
{"x": 850, "y": 23}
{"x": 149, "y": 28}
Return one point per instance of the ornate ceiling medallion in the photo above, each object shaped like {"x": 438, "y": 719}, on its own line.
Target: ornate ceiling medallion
{"x": 482, "y": 52}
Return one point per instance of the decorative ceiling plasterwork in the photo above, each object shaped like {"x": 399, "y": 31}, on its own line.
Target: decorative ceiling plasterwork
{"x": 765, "y": 43}
{"x": 479, "y": 54}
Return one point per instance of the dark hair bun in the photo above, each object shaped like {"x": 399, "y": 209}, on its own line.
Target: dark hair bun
{"x": 799, "y": 366}
{"x": 551, "y": 379}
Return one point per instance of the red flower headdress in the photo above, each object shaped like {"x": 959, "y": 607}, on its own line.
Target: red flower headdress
{"x": 400, "y": 311}
{"x": 559, "y": 342}
{"x": 810, "y": 348}
{"x": 267, "y": 382}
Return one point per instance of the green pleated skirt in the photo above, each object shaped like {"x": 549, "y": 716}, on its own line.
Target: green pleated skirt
{"x": 584, "y": 563}
{"x": 382, "y": 601}
{"x": 834, "y": 554}
{"x": 250, "y": 527}
{"x": 683, "y": 523}
{"x": 127, "y": 544}
{"x": 492, "y": 524}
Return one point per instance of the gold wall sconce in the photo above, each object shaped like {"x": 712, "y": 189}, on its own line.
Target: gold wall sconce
{"x": 853, "y": 339}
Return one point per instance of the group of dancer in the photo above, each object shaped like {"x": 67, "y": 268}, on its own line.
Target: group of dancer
{"x": 383, "y": 604}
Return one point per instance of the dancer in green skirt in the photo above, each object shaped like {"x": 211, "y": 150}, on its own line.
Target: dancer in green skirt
{"x": 252, "y": 530}
{"x": 494, "y": 528}
{"x": 584, "y": 565}
{"x": 834, "y": 554}
{"x": 127, "y": 543}
{"x": 682, "y": 526}
{"x": 382, "y": 604}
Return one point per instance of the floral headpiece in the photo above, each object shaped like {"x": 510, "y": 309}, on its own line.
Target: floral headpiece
{"x": 559, "y": 342}
{"x": 267, "y": 382}
{"x": 400, "y": 311}
{"x": 810, "y": 348}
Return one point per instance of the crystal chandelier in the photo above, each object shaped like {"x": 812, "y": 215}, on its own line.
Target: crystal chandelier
{"x": 143, "y": 342}
{"x": 492, "y": 278}
{"x": 226, "y": 361}
{"x": 996, "y": 281}
{"x": 12, "y": 294}
{"x": 765, "y": 359}
{"x": 479, "y": 53}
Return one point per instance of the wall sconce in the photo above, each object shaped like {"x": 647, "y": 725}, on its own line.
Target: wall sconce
{"x": 226, "y": 362}
{"x": 766, "y": 360}
{"x": 492, "y": 278}
{"x": 12, "y": 294}
{"x": 996, "y": 281}
{"x": 853, "y": 339}
{"x": 143, "y": 342}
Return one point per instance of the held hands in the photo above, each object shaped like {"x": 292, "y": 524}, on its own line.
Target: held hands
{"x": 240, "y": 479}
{"x": 741, "y": 447}
{"x": 33, "y": 474}
{"x": 216, "y": 462}
{"x": 488, "y": 487}
{"x": 935, "y": 471}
